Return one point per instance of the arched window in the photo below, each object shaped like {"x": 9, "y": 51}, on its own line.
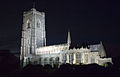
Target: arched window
{"x": 45, "y": 61}
{"x": 92, "y": 59}
{"x": 51, "y": 61}
{"x": 57, "y": 60}
{"x": 86, "y": 58}
{"x": 40, "y": 60}
{"x": 64, "y": 58}
{"x": 28, "y": 24}
{"x": 78, "y": 57}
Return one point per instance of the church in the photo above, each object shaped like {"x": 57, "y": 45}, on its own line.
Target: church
{"x": 35, "y": 51}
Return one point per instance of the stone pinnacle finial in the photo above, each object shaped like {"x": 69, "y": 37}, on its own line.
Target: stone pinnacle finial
{"x": 102, "y": 50}
{"x": 33, "y": 7}
{"x": 33, "y": 4}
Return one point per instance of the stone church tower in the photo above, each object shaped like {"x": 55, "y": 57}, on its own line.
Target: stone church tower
{"x": 33, "y": 32}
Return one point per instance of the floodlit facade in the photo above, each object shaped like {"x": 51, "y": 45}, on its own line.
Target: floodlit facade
{"x": 35, "y": 51}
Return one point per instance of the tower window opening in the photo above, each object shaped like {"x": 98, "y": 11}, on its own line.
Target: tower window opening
{"x": 28, "y": 25}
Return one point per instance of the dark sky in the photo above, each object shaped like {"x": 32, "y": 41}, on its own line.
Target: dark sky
{"x": 91, "y": 21}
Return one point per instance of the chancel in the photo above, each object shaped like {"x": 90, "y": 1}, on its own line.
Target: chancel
{"x": 35, "y": 51}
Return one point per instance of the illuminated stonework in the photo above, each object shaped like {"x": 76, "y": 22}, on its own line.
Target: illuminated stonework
{"x": 35, "y": 51}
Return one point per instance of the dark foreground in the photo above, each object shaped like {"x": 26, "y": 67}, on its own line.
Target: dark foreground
{"x": 9, "y": 67}
{"x": 66, "y": 70}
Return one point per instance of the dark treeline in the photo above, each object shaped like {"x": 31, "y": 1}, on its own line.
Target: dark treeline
{"x": 67, "y": 70}
{"x": 9, "y": 67}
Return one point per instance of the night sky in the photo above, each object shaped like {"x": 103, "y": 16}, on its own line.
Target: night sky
{"x": 88, "y": 21}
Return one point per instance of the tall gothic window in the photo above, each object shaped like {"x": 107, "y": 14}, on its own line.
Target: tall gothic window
{"x": 64, "y": 58}
{"x": 92, "y": 59}
{"x": 78, "y": 57}
{"x": 86, "y": 58}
